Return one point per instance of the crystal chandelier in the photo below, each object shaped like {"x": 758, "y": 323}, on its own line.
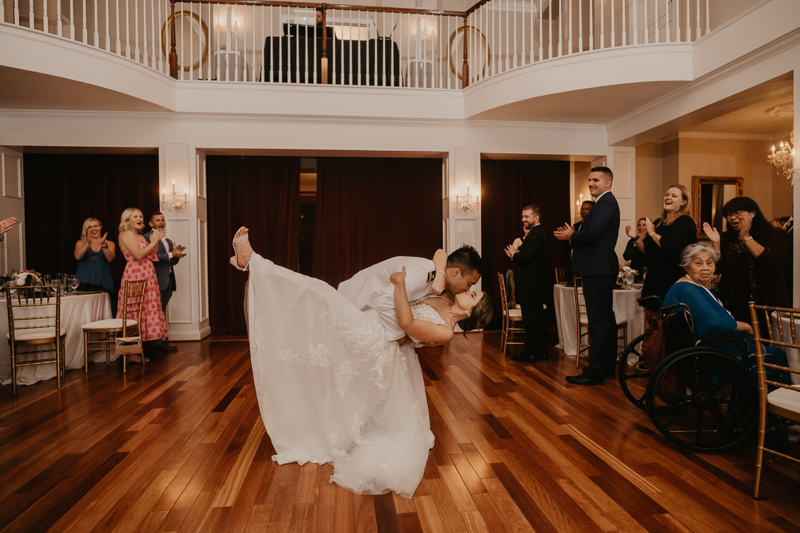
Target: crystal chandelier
{"x": 174, "y": 202}
{"x": 467, "y": 203}
{"x": 783, "y": 159}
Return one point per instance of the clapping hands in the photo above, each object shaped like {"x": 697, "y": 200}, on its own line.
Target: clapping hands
{"x": 178, "y": 251}
{"x": 712, "y": 233}
{"x": 7, "y": 224}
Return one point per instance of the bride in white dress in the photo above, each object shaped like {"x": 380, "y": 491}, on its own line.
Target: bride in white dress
{"x": 331, "y": 387}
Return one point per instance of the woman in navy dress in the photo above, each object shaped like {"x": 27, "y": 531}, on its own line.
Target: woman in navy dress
{"x": 94, "y": 254}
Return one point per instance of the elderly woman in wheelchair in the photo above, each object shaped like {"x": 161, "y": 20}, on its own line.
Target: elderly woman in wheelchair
{"x": 691, "y": 371}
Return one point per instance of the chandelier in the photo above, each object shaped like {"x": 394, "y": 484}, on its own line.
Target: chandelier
{"x": 467, "y": 203}
{"x": 783, "y": 159}
{"x": 174, "y": 202}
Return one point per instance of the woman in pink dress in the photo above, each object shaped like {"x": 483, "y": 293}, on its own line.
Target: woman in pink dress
{"x": 140, "y": 256}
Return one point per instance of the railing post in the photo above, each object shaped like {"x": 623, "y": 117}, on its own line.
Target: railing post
{"x": 173, "y": 54}
{"x": 465, "y": 66}
{"x": 324, "y": 61}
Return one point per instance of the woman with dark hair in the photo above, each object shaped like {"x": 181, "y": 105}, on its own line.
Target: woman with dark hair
{"x": 665, "y": 240}
{"x": 637, "y": 258}
{"x": 752, "y": 253}
{"x": 331, "y": 386}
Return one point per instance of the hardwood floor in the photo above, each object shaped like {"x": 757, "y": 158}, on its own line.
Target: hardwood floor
{"x": 180, "y": 446}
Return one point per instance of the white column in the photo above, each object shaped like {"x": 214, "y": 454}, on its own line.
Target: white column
{"x": 12, "y": 204}
{"x": 463, "y": 228}
{"x": 189, "y": 303}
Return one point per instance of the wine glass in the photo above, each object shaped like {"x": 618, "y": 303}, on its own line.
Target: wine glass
{"x": 74, "y": 282}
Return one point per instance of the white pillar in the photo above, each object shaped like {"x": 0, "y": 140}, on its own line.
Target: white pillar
{"x": 463, "y": 228}
{"x": 187, "y": 313}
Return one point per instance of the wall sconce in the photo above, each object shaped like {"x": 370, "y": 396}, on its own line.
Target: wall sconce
{"x": 466, "y": 203}
{"x": 580, "y": 202}
{"x": 174, "y": 202}
{"x": 783, "y": 159}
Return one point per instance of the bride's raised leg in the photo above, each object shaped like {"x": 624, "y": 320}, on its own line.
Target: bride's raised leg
{"x": 242, "y": 249}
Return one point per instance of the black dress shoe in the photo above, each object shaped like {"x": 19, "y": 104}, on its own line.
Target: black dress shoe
{"x": 168, "y": 347}
{"x": 523, "y": 358}
{"x": 585, "y": 379}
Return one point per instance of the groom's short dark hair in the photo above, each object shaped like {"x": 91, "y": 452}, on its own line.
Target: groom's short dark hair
{"x": 467, "y": 259}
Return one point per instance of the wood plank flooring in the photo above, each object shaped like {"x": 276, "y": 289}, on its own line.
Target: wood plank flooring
{"x": 180, "y": 446}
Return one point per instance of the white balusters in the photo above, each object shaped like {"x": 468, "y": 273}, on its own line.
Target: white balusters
{"x": 624, "y": 25}
{"x": 96, "y": 33}
{"x": 153, "y": 35}
{"x": 144, "y": 30}
{"x": 44, "y": 16}
{"x": 16, "y": 12}
{"x": 30, "y": 14}
{"x": 108, "y": 29}
{"x": 85, "y": 33}
{"x": 58, "y": 16}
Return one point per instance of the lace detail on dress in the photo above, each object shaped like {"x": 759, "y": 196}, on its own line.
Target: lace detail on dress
{"x": 427, "y": 313}
{"x": 310, "y": 356}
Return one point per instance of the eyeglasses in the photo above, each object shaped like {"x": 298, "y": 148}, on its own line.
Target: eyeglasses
{"x": 737, "y": 214}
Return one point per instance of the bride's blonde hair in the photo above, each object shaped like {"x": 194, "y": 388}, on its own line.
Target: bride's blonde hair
{"x": 126, "y": 216}
{"x": 480, "y": 316}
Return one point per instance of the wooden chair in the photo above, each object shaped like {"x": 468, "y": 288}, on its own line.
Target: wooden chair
{"x": 783, "y": 401}
{"x": 582, "y": 339}
{"x": 511, "y": 290}
{"x": 132, "y": 300}
{"x": 34, "y": 321}
{"x": 561, "y": 275}
{"x": 509, "y": 316}
{"x": 714, "y": 283}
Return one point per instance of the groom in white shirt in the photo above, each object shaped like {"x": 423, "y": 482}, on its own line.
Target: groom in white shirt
{"x": 446, "y": 275}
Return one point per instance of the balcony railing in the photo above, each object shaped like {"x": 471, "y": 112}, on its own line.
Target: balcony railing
{"x": 262, "y": 41}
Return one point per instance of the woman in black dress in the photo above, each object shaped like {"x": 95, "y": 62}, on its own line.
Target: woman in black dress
{"x": 665, "y": 240}
{"x": 752, "y": 253}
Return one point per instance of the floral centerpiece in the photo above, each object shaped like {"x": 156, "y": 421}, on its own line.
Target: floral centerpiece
{"x": 22, "y": 278}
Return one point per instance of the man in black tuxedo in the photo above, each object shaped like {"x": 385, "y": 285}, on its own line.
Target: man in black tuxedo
{"x": 594, "y": 259}
{"x": 586, "y": 206}
{"x": 168, "y": 256}
{"x": 530, "y": 280}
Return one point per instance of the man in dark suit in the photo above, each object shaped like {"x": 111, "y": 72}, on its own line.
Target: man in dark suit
{"x": 168, "y": 256}
{"x": 594, "y": 259}
{"x": 530, "y": 280}
{"x": 586, "y": 206}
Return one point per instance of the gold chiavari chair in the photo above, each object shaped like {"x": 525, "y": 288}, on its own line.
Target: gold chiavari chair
{"x": 510, "y": 316}
{"x": 34, "y": 322}
{"x": 774, "y": 398}
{"x": 582, "y": 339}
{"x": 561, "y": 275}
{"x": 133, "y": 298}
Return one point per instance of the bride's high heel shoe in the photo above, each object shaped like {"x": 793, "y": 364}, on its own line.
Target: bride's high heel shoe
{"x": 235, "y": 258}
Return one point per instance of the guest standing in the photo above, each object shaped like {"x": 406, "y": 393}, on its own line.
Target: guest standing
{"x": 586, "y": 206}
{"x": 637, "y": 258}
{"x": 140, "y": 256}
{"x": 168, "y": 255}
{"x": 665, "y": 240}
{"x": 94, "y": 253}
{"x": 594, "y": 259}
{"x": 530, "y": 281}
{"x": 752, "y": 253}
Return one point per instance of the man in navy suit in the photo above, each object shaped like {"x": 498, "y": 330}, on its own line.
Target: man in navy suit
{"x": 168, "y": 256}
{"x": 530, "y": 281}
{"x": 594, "y": 259}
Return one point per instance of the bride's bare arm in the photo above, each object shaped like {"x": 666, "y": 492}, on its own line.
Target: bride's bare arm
{"x": 418, "y": 329}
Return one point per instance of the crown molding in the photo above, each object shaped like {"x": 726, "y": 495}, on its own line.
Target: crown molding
{"x": 776, "y": 47}
{"x": 42, "y": 114}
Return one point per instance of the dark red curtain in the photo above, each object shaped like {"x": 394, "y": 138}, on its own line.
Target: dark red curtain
{"x": 371, "y": 209}
{"x": 262, "y": 193}
{"x": 63, "y": 190}
{"x": 507, "y": 186}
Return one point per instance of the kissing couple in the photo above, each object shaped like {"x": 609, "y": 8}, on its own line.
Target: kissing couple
{"x": 335, "y": 371}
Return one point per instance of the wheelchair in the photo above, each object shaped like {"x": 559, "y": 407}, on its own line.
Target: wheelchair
{"x": 699, "y": 397}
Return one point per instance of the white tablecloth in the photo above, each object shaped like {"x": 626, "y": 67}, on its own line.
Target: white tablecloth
{"x": 76, "y": 311}
{"x": 625, "y": 308}
{"x": 792, "y": 354}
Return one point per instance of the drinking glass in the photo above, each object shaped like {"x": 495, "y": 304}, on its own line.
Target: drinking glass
{"x": 74, "y": 282}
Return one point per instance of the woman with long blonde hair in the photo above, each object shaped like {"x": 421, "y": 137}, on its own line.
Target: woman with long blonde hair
{"x": 664, "y": 241}
{"x": 94, "y": 254}
{"x": 140, "y": 255}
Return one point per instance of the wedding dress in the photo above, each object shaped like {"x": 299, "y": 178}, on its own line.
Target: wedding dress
{"x": 331, "y": 387}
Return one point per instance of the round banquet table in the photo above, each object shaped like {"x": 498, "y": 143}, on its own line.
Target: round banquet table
{"x": 625, "y": 308}
{"x": 76, "y": 310}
